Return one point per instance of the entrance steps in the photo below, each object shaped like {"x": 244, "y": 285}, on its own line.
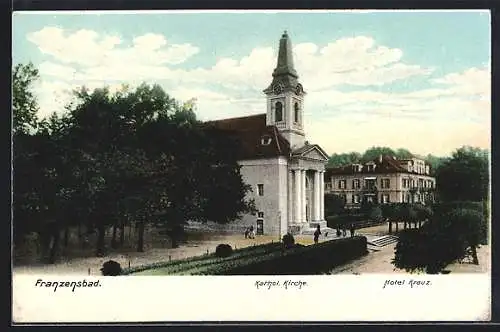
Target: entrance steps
{"x": 383, "y": 240}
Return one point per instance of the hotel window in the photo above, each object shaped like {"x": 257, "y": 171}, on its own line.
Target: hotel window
{"x": 385, "y": 183}
{"x": 328, "y": 185}
{"x": 261, "y": 214}
{"x": 355, "y": 184}
{"x": 405, "y": 183}
{"x": 278, "y": 111}
{"x": 384, "y": 198}
{"x": 260, "y": 189}
{"x": 355, "y": 199}
{"x": 370, "y": 183}
{"x": 344, "y": 198}
{"x": 341, "y": 184}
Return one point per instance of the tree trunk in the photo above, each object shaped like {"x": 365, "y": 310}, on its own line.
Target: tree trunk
{"x": 397, "y": 226}
{"x": 140, "y": 238}
{"x": 122, "y": 234}
{"x": 404, "y": 225}
{"x": 55, "y": 245}
{"x": 79, "y": 231}
{"x": 101, "y": 231}
{"x": 66, "y": 236}
{"x": 475, "y": 259}
{"x": 390, "y": 227}
{"x": 113, "y": 239}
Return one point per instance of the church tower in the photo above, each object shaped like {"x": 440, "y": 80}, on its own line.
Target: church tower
{"x": 285, "y": 97}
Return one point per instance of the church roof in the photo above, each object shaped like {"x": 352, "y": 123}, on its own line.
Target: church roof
{"x": 252, "y": 134}
{"x": 308, "y": 147}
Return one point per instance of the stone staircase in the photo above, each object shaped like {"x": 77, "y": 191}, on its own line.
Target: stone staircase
{"x": 383, "y": 240}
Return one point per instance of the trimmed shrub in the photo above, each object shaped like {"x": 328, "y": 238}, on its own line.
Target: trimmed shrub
{"x": 298, "y": 260}
{"x": 288, "y": 240}
{"x": 223, "y": 250}
{"x": 111, "y": 268}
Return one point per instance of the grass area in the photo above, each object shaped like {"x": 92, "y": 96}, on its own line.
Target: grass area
{"x": 185, "y": 266}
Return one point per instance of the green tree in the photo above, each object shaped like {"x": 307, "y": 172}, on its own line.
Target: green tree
{"x": 453, "y": 232}
{"x": 374, "y": 152}
{"x": 334, "y": 204}
{"x": 24, "y": 103}
{"x": 342, "y": 159}
{"x": 464, "y": 177}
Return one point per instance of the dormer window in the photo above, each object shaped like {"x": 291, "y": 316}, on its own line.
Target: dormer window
{"x": 265, "y": 140}
{"x": 278, "y": 112}
{"x": 370, "y": 167}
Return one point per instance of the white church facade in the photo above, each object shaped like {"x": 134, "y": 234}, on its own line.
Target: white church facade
{"x": 285, "y": 171}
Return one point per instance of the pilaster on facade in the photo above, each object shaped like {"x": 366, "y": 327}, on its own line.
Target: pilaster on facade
{"x": 316, "y": 210}
{"x": 322, "y": 195}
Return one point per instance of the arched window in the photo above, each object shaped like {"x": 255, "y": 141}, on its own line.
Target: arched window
{"x": 278, "y": 112}
{"x": 296, "y": 112}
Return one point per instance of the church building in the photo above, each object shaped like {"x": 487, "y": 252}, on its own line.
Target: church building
{"x": 285, "y": 171}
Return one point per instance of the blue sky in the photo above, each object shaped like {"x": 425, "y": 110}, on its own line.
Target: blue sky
{"x": 419, "y": 80}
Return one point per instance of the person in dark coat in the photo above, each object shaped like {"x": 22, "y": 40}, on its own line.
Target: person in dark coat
{"x": 344, "y": 230}
{"x": 317, "y": 233}
{"x": 352, "y": 228}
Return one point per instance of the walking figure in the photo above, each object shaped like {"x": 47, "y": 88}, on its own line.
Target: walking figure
{"x": 247, "y": 231}
{"x": 352, "y": 230}
{"x": 317, "y": 233}
{"x": 251, "y": 233}
{"x": 344, "y": 230}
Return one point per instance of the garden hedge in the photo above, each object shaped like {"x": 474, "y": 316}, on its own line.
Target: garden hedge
{"x": 298, "y": 260}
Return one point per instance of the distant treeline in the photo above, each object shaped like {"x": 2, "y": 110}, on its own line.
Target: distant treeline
{"x": 341, "y": 159}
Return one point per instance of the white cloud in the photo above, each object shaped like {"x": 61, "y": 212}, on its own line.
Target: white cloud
{"x": 452, "y": 110}
{"x": 88, "y": 48}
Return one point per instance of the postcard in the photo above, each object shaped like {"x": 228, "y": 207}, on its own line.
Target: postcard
{"x": 251, "y": 166}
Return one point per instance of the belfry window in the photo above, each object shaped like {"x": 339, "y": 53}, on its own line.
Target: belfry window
{"x": 278, "y": 111}
{"x": 296, "y": 112}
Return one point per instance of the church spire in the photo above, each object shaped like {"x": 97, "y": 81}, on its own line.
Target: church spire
{"x": 285, "y": 58}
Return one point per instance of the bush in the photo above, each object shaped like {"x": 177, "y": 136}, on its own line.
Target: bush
{"x": 223, "y": 250}
{"x": 375, "y": 213}
{"x": 111, "y": 268}
{"x": 288, "y": 240}
{"x": 346, "y": 219}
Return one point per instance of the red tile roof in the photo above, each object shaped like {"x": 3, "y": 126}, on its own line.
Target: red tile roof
{"x": 249, "y": 131}
{"x": 386, "y": 165}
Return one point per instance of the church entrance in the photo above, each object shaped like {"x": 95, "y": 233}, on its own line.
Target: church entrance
{"x": 260, "y": 227}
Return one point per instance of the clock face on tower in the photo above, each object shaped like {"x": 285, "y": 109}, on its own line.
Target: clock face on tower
{"x": 278, "y": 88}
{"x": 298, "y": 89}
